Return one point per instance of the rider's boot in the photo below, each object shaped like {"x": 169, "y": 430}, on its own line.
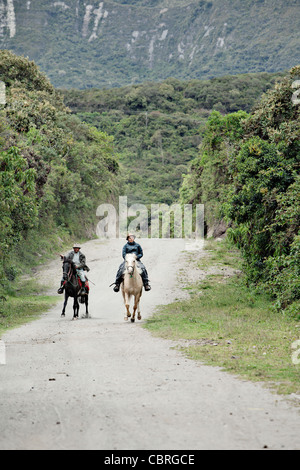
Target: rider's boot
{"x": 118, "y": 282}
{"x": 86, "y": 288}
{"x": 146, "y": 281}
{"x": 61, "y": 289}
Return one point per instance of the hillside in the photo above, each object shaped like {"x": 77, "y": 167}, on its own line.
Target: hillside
{"x": 115, "y": 43}
{"x": 54, "y": 170}
{"x": 247, "y": 172}
{"x": 157, "y": 127}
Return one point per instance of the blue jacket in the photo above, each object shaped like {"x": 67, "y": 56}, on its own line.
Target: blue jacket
{"x": 133, "y": 248}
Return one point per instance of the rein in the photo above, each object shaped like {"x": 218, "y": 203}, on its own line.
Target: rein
{"x": 131, "y": 274}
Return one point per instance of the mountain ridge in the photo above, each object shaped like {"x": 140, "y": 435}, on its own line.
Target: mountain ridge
{"x": 110, "y": 44}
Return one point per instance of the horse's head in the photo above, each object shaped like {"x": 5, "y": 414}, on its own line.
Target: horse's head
{"x": 130, "y": 262}
{"x": 68, "y": 269}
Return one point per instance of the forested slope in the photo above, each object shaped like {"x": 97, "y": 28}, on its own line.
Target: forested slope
{"x": 54, "y": 169}
{"x": 247, "y": 173}
{"x": 115, "y": 43}
{"x": 157, "y": 127}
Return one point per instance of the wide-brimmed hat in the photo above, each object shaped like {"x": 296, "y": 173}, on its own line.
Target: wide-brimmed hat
{"x": 76, "y": 245}
{"x": 131, "y": 235}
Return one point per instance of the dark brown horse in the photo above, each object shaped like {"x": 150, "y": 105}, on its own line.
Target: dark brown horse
{"x": 73, "y": 289}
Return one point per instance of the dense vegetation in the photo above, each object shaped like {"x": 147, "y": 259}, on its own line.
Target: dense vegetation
{"x": 57, "y": 167}
{"x": 247, "y": 173}
{"x": 157, "y": 128}
{"x": 54, "y": 169}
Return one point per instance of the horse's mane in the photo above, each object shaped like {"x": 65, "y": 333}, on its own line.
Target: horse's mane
{"x": 130, "y": 255}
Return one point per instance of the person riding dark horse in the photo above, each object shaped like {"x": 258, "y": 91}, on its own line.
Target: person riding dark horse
{"x": 73, "y": 288}
{"x": 79, "y": 259}
{"x": 132, "y": 247}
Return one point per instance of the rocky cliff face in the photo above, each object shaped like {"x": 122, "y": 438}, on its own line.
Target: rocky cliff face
{"x": 104, "y": 43}
{"x": 7, "y": 19}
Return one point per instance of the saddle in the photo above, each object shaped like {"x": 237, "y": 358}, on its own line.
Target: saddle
{"x": 87, "y": 285}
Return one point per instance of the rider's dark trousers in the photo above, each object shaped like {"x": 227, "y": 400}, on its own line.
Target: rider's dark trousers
{"x": 144, "y": 274}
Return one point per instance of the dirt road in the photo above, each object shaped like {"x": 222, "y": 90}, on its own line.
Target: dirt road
{"x": 102, "y": 383}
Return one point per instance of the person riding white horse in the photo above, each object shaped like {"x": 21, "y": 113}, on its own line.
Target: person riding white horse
{"x": 132, "y": 247}
{"x": 79, "y": 260}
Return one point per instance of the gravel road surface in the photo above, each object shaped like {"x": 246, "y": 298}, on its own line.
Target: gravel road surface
{"x": 102, "y": 383}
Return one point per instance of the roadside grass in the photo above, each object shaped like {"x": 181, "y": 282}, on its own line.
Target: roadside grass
{"x": 25, "y": 303}
{"x": 226, "y": 324}
{"x": 22, "y": 299}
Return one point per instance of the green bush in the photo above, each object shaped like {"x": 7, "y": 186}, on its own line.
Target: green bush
{"x": 248, "y": 173}
{"x": 54, "y": 169}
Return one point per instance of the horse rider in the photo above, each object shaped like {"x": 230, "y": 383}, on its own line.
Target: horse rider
{"x": 79, "y": 260}
{"x": 132, "y": 247}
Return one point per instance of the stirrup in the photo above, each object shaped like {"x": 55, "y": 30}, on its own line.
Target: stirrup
{"x": 83, "y": 290}
{"x": 60, "y": 290}
{"x": 147, "y": 287}
{"x": 117, "y": 288}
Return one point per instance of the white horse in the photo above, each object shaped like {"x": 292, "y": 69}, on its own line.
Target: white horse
{"x": 132, "y": 286}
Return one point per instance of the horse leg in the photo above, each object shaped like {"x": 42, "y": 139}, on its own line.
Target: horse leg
{"x": 136, "y": 300}
{"x": 139, "y": 308}
{"x": 123, "y": 294}
{"x": 87, "y": 306}
{"x": 63, "y": 313}
{"x": 75, "y": 307}
{"x": 128, "y": 311}
{"x": 127, "y": 305}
